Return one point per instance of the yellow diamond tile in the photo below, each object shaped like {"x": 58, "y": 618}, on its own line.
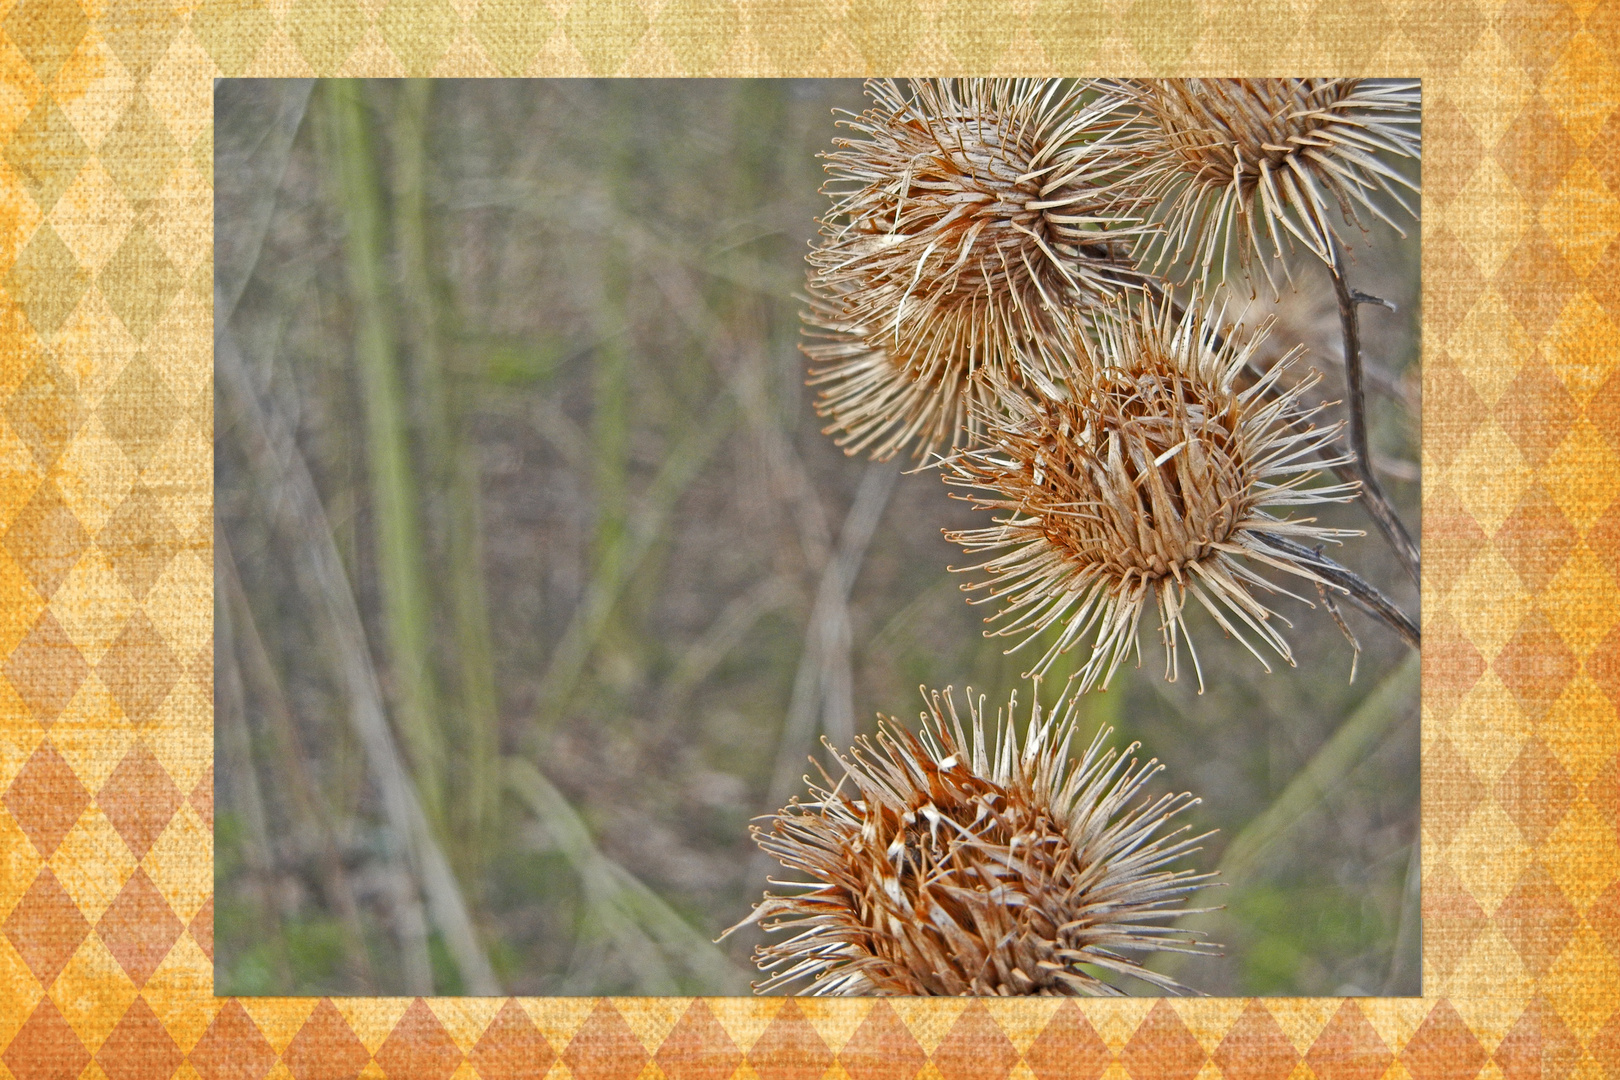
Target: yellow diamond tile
{"x": 1488, "y": 728}
{"x": 467, "y": 1018}
{"x": 1489, "y": 87}
{"x": 19, "y": 87}
{"x": 94, "y": 476}
{"x": 279, "y": 1019}
{"x": 1583, "y": 346}
{"x": 1486, "y": 983}
{"x": 1488, "y": 855}
{"x": 19, "y": 866}
{"x": 1396, "y": 1020}
{"x": 279, "y": 58}
{"x": 373, "y": 1018}
{"x": 1209, "y": 1019}
{"x": 652, "y": 1019}
{"x": 19, "y": 218}
{"x": 94, "y": 347}
{"x": 1580, "y": 474}
{"x": 512, "y": 33}
{"x": 1487, "y": 216}
{"x": 91, "y": 733}
{"x": 92, "y": 605}
{"x": 20, "y": 476}
{"x": 928, "y": 1026}
{"x": 1582, "y": 216}
{"x": 835, "y": 1025}
{"x": 466, "y": 58}
{"x": 92, "y": 217}
{"x": 606, "y": 33}
{"x": 181, "y": 87}
{"x": 1302, "y": 1019}
{"x": 184, "y": 212}
{"x": 182, "y": 732}
{"x": 1584, "y": 966}
{"x": 92, "y": 992}
{"x": 181, "y": 993}
{"x": 19, "y": 991}
{"x": 418, "y": 31}
{"x": 698, "y": 33}
{"x": 1583, "y": 88}
{"x": 182, "y": 475}
{"x": 1490, "y": 476}
{"x": 1021, "y": 1021}
{"x": 93, "y": 863}
{"x": 1581, "y": 853}
{"x": 1580, "y": 729}
{"x": 742, "y": 1018}
{"x": 181, "y": 862}
{"x": 372, "y": 58}
{"x": 182, "y": 347}
{"x": 1582, "y": 600}
{"x": 232, "y": 31}
{"x": 1489, "y": 347}
{"x": 1119, "y": 1023}
{"x": 93, "y": 89}
{"x": 180, "y": 600}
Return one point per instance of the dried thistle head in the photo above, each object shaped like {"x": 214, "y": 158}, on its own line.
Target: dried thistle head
{"x": 1257, "y": 163}
{"x": 1155, "y": 478}
{"x": 880, "y": 399}
{"x": 950, "y": 862}
{"x": 966, "y": 214}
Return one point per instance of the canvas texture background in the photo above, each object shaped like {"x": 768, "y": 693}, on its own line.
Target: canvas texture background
{"x": 106, "y": 564}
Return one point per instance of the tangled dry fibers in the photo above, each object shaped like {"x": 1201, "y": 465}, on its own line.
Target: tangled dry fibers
{"x": 946, "y": 862}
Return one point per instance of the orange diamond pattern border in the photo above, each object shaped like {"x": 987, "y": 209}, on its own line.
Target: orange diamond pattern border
{"x": 105, "y": 173}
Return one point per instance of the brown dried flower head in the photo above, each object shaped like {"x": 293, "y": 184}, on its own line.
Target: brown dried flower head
{"x": 1155, "y": 478}
{"x": 946, "y": 862}
{"x": 1257, "y": 163}
{"x": 966, "y": 214}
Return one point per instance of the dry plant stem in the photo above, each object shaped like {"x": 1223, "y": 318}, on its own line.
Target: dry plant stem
{"x": 475, "y": 769}
{"x": 278, "y": 465}
{"x": 822, "y": 686}
{"x": 590, "y": 619}
{"x": 1400, "y": 963}
{"x": 236, "y": 743}
{"x": 1358, "y": 591}
{"x": 1378, "y": 504}
{"x": 313, "y": 814}
{"x": 633, "y": 914}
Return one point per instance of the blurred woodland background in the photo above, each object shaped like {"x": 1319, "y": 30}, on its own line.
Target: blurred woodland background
{"x": 536, "y": 580}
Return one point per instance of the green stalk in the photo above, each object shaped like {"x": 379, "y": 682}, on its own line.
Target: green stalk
{"x": 406, "y": 609}
{"x": 610, "y": 407}
{"x": 476, "y": 768}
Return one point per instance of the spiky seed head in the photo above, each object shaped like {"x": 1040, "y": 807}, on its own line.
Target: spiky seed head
{"x": 881, "y": 400}
{"x": 966, "y": 214}
{"x": 1249, "y": 166}
{"x": 948, "y": 861}
{"x": 1156, "y": 478}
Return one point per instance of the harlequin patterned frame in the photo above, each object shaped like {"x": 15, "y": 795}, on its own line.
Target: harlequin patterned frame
{"x": 106, "y": 544}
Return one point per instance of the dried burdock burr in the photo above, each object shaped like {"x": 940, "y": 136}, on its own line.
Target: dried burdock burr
{"x": 1155, "y": 480}
{"x": 1246, "y": 167}
{"x": 948, "y": 861}
{"x": 967, "y": 215}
